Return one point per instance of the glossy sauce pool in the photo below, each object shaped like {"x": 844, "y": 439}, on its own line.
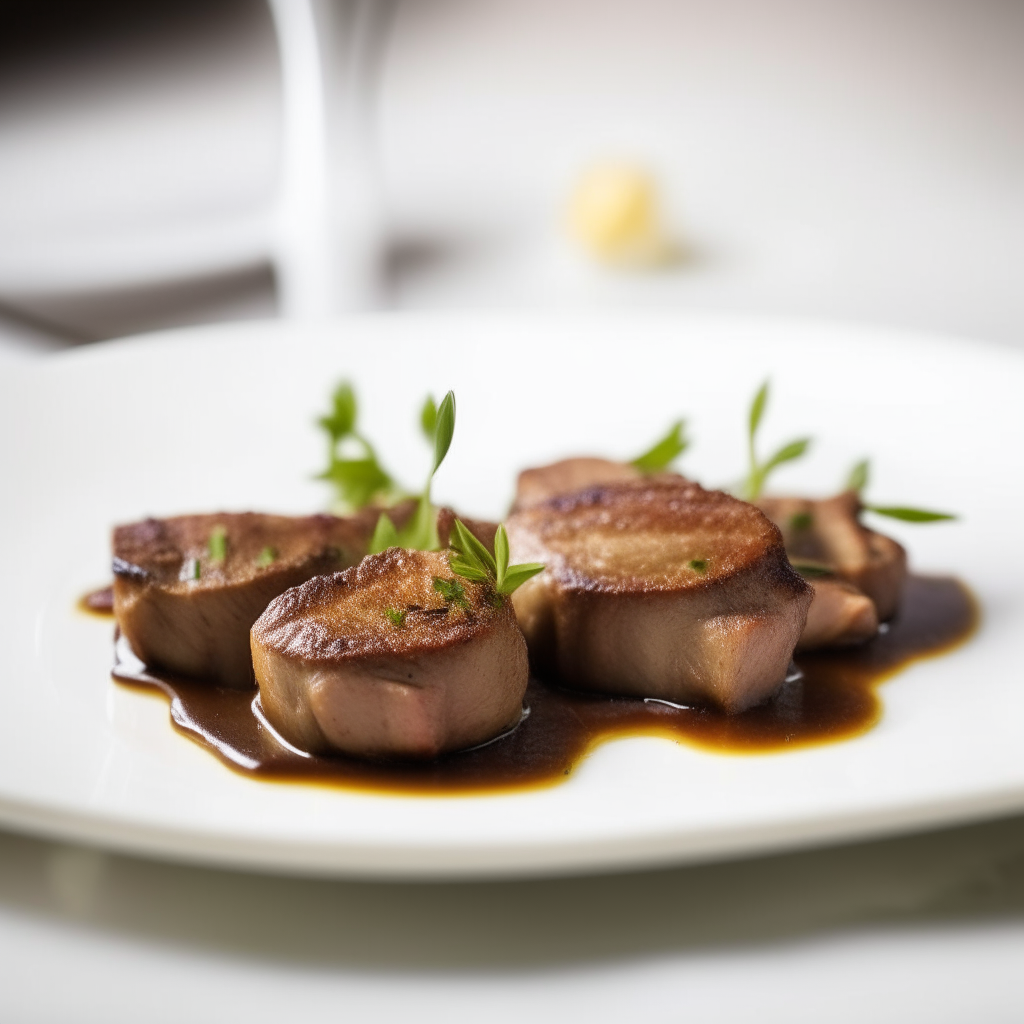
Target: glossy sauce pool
{"x": 834, "y": 699}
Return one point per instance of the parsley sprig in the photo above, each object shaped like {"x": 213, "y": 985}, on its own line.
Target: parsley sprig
{"x": 359, "y": 479}
{"x": 759, "y": 471}
{"x": 663, "y": 453}
{"x": 858, "y": 480}
{"x": 420, "y": 533}
{"x": 471, "y": 560}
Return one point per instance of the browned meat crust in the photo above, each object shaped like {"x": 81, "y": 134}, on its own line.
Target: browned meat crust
{"x": 376, "y": 662}
{"x": 569, "y": 476}
{"x": 659, "y": 589}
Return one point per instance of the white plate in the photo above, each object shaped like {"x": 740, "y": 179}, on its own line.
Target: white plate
{"x": 221, "y": 418}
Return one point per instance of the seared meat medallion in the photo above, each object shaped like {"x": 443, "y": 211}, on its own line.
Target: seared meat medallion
{"x": 659, "y": 588}
{"x": 395, "y": 658}
{"x": 870, "y": 568}
{"x": 830, "y": 533}
{"x": 188, "y": 589}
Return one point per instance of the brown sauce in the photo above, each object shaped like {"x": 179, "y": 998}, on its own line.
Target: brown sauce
{"x": 835, "y": 699}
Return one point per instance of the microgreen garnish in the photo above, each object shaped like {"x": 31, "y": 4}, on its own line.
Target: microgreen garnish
{"x": 384, "y": 535}
{"x": 428, "y": 418}
{"x": 698, "y": 565}
{"x": 471, "y": 560}
{"x": 191, "y": 570}
{"x": 420, "y": 533}
{"x": 858, "y": 480}
{"x": 218, "y": 544}
{"x": 359, "y": 479}
{"x": 759, "y": 471}
{"x": 909, "y": 515}
{"x": 453, "y": 592}
{"x": 663, "y": 453}
{"x": 396, "y": 616}
{"x": 812, "y": 570}
{"x": 801, "y": 521}
{"x": 266, "y": 557}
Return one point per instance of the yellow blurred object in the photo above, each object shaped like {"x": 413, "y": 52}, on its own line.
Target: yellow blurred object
{"x": 613, "y": 213}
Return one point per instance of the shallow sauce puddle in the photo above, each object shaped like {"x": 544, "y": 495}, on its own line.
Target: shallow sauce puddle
{"x": 834, "y": 700}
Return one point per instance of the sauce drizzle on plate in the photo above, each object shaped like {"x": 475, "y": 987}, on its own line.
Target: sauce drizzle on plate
{"x": 832, "y": 698}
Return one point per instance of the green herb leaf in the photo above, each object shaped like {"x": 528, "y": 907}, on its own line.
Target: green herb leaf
{"x": 384, "y": 535}
{"x": 698, "y": 564}
{"x": 193, "y": 569}
{"x": 758, "y": 473}
{"x": 217, "y": 545}
{"x": 266, "y": 557}
{"x": 471, "y": 560}
{"x": 858, "y": 478}
{"x": 909, "y": 515}
{"x": 801, "y": 521}
{"x": 787, "y": 453}
{"x": 472, "y": 549}
{"x": 428, "y": 418}
{"x": 342, "y": 419}
{"x": 396, "y": 616}
{"x": 453, "y": 592}
{"x": 444, "y": 429}
{"x": 357, "y": 481}
{"x": 500, "y": 556}
{"x": 469, "y": 570}
{"x": 757, "y": 411}
{"x": 517, "y": 575}
{"x": 665, "y": 451}
{"x": 420, "y": 533}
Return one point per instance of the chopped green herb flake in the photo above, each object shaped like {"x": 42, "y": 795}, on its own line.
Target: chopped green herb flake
{"x": 698, "y": 565}
{"x": 266, "y": 557}
{"x": 801, "y": 521}
{"x": 218, "y": 544}
{"x": 396, "y": 616}
{"x": 453, "y": 592}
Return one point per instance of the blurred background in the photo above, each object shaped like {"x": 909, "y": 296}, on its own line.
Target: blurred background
{"x": 165, "y": 164}
{"x": 174, "y": 163}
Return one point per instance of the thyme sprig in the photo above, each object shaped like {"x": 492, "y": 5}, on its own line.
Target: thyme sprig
{"x": 759, "y": 471}
{"x": 858, "y": 481}
{"x": 471, "y": 560}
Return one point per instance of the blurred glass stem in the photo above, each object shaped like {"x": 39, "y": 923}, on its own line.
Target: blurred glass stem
{"x": 328, "y": 220}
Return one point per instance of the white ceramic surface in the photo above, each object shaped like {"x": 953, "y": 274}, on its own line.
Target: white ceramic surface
{"x": 221, "y": 418}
